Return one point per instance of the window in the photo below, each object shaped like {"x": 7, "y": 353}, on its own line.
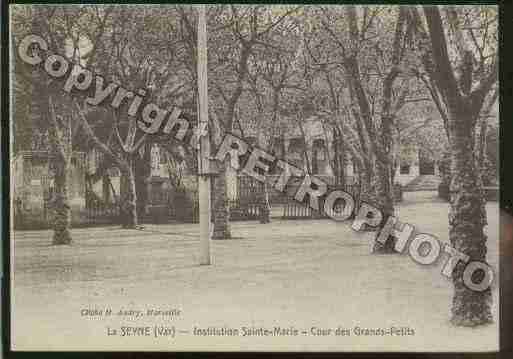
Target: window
{"x": 404, "y": 169}
{"x": 163, "y": 156}
{"x": 319, "y": 150}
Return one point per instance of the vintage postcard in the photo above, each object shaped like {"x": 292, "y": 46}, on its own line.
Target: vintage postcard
{"x": 254, "y": 178}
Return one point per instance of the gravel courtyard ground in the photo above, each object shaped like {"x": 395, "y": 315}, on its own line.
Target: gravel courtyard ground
{"x": 292, "y": 274}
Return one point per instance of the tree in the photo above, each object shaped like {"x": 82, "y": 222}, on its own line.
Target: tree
{"x": 46, "y": 107}
{"x": 146, "y": 50}
{"x": 459, "y": 52}
{"x": 372, "y": 56}
{"x": 236, "y": 34}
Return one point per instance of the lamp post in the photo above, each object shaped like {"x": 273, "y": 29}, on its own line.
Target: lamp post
{"x": 204, "y": 171}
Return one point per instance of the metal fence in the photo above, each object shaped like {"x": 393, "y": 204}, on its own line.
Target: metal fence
{"x": 293, "y": 209}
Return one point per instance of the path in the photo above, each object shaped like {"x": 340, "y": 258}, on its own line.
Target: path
{"x": 288, "y": 273}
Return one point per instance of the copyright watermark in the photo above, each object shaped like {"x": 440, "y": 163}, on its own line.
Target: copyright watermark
{"x": 423, "y": 248}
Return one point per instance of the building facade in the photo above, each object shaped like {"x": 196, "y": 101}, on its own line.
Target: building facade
{"x": 310, "y": 148}
{"x": 32, "y": 185}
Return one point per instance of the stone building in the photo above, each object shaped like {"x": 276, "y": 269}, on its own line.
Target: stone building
{"x": 32, "y": 178}
{"x": 32, "y": 186}
{"x": 415, "y": 166}
{"x": 315, "y": 148}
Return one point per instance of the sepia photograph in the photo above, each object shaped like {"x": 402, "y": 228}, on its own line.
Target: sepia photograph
{"x": 320, "y": 178}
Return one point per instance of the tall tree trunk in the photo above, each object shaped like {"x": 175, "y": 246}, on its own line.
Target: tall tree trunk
{"x": 265, "y": 208}
{"x": 464, "y": 100}
{"x": 106, "y": 188}
{"x": 481, "y": 150}
{"x": 128, "y": 210}
{"x": 340, "y": 172}
{"x": 467, "y": 217}
{"x": 59, "y": 132}
{"x": 220, "y": 206}
{"x": 366, "y": 178}
{"x": 384, "y": 200}
{"x": 336, "y": 159}
{"x": 61, "y": 207}
{"x": 142, "y": 173}
{"x": 376, "y": 189}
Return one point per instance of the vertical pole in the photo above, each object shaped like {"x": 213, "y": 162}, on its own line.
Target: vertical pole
{"x": 204, "y": 150}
